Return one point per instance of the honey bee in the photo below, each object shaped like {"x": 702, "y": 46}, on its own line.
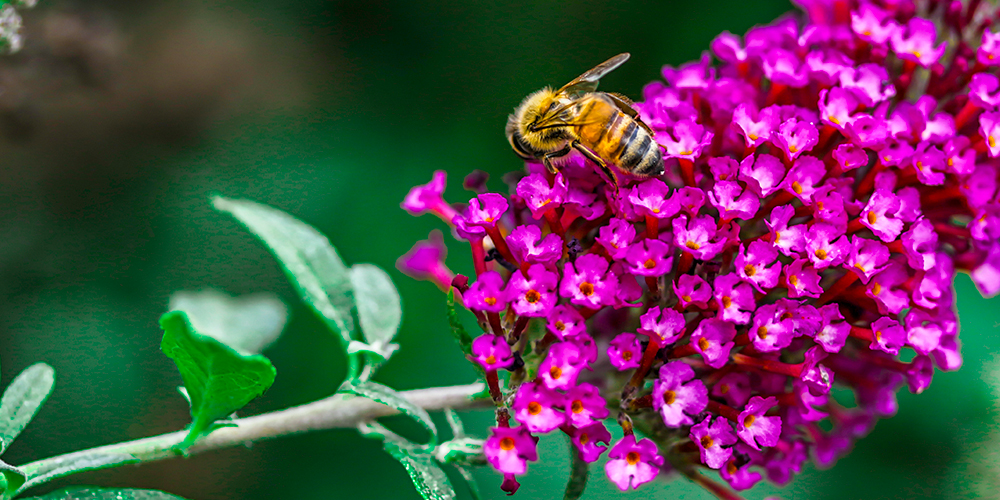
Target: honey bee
{"x": 602, "y": 126}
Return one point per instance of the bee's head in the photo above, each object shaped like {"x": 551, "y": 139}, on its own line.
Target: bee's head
{"x": 522, "y": 131}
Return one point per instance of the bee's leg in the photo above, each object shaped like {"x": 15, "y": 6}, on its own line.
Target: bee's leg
{"x": 603, "y": 165}
{"x": 547, "y": 158}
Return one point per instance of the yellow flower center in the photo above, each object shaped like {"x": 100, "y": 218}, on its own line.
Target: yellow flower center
{"x": 506, "y": 444}
{"x": 669, "y": 397}
{"x": 692, "y": 245}
{"x": 749, "y": 420}
{"x": 534, "y": 408}
{"x": 555, "y": 372}
{"x": 490, "y": 300}
{"x": 821, "y": 254}
{"x": 706, "y": 441}
{"x": 762, "y": 332}
{"x": 632, "y": 458}
{"x": 532, "y": 296}
{"x": 872, "y": 218}
{"x": 704, "y": 344}
{"x": 649, "y": 264}
{"x": 577, "y": 406}
{"x": 750, "y": 270}
{"x": 587, "y": 288}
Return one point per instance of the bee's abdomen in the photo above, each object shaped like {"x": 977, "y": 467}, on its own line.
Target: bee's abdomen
{"x": 626, "y": 144}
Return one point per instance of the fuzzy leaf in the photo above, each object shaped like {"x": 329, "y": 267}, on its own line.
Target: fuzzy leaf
{"x": 427, "y": 476}
{"x": 88, "y": 493}
{"x": 389, "y": 397}
{"x": 310, "y": 261}
{"x": 379, "y": 309}
{"x": 75, "y": 463}
{"x": 249, "y": 323}
{"x": 22, "y": 399}
{"x": 470, "y": 482}
{"x": 218, "y": 379}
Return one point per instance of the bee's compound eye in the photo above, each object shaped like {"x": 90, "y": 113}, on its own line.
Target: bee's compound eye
{"x": 519, "y": 147}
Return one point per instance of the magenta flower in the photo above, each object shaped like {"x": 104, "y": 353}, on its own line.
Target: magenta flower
{"x": 539, "y": 195}
{"x": 735, "y": 299}
{"x": 534, "y": 407}
{"x": 566, "y": 323}
{"x": 770, "y": 330}
{"x": 714, "y": 441}
{"x": 588, "y": 283}
{"x": 915, "y": 42}
{"x": 632, "y": 464}
{"x": 649, "y": 258}
{"x": 754, "y": 428}
{"x": 662, "y": 326}
{"x": 487, "y": 293}
{"x": 584, "y": 405}
{"x": 492, "y": 352}
{"x": 427, "y": 198}
{"x": 535, "y": 295}
{"x": 733, "y": 202}
{"x": 624, "y": 351}
{"x": 425, "y": 261}
{"x": 762, "y": 174}
{"x": 825, "y": 181}
{"x": 562, "y": 365}
{"x": 652, "y": 198}
{"x": 510, "y": 449}
{"x": 676, "y": 396}
{"x": 527, "y": 245}
{"x": 733, "y": 387}
{"x": 833, "y": 333}
{"x": 713, "y": 339}
{"x": 692, "y": 291}
{"x": 586, "y": 438}
{"x": 616, "y": 237}
{"x": 697, "y": 237}
{"x": 802, "y": 279}
{"x": 758, "y": 265}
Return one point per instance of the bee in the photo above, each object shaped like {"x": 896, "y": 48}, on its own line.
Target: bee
{"x": 602, "y": 126}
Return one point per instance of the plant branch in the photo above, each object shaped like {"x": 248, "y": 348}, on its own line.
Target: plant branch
{"x": 337, "y": 411}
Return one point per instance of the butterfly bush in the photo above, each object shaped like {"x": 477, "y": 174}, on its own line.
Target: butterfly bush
{"x": 827, "y": 175}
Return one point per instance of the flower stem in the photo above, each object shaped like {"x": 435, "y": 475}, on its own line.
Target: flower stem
{"x": 335, "y": 412}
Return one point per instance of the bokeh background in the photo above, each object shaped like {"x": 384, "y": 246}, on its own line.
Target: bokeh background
{"x": 121, "y": 118}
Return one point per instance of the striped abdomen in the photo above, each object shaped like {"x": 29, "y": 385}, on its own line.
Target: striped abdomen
{"x": 618, "y": 138}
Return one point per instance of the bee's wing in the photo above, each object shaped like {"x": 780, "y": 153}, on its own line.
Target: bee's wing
{"x": 624, "y": 104}
{"x": 587, "y": 82}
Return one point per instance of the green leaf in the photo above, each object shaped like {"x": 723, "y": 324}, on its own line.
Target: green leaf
{"x": 13, "y": 478}
{"x": 428, "y": 478}
{"x": 380, "y": 355}
{"x": 310, "y": 261}
{"x": 389, "y": 397}
{"x": 249, "y": 323}
{"x": 457, "y": 329}
{"x": 75, "y": 463}
{"x": 22, "y": 399}
{"x": 470, "y": 482}
{"x": 578, "y": 475}
{"x": 88, "y": 493}
{"x": 218, "y": 379}
{"x": 379, "y": 309}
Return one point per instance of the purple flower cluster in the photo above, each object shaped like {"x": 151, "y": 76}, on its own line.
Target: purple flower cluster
{"x": 825, "y": 180}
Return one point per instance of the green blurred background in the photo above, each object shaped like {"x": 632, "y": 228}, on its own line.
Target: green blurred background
{"x": 120, "y": 118}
